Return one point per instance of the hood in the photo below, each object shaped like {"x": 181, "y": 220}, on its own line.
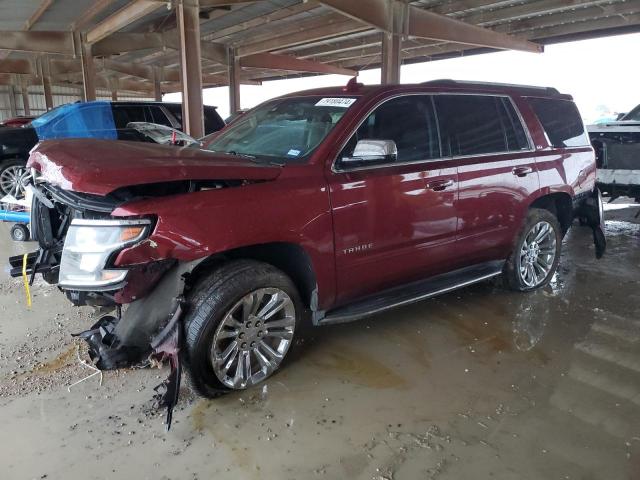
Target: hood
{"x": 102, "y": 166}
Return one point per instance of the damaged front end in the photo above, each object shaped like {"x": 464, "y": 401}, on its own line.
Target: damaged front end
{"x": 79, "y": 243}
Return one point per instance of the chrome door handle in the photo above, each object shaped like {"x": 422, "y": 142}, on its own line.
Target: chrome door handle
{"x": 439, "y": 185}
{"x": 522, "y": 171}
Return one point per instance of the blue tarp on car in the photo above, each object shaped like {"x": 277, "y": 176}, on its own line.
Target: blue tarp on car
{"x": 77, "y": 120}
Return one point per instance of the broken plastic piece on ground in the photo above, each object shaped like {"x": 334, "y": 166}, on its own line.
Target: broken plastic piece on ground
{"x": 166, "y": 346}
{"x": 97, "y": 371}
{"x": 104, "y": 347}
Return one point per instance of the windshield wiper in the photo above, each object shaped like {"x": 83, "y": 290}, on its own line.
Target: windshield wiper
{"x": 244, "y": 155}
{"x": 252, "y": 158}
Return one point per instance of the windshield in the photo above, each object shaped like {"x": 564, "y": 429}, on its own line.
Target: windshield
{"x": 285, "y": 130}
{"x": 633, "y": 114}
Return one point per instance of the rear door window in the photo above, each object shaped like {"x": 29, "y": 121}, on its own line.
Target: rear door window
{"x": 471, "y": 124}
{"x": 561, "y": 122}
{"x": 514, "y": 132}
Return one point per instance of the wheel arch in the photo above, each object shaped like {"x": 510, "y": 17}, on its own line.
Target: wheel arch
{"x": 558, "y": 203}
{"x": 291, "y": 258}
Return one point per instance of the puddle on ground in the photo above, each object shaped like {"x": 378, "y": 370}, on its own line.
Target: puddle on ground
{"x": 356, "y": 367}
{"x": 64, "y": 359}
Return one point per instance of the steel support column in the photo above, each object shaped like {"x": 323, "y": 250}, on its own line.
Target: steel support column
{"x": 392, "y": 43}
{"x": 391, "y": 58}
{"x": 190, "y": 66}
{"x": 11, "y": 92}
{"x": 157, "y": 86}
{"x": 114, "y": 85}
{"x": 234, "y": 81}
{"x": 45, "y": 73}
{"x": 25, "y": 99}
{"x": 83, "y": 50}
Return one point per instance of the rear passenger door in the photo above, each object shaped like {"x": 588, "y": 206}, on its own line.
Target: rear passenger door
{"x": 394, "y": 222}
{"x": 497, "y": 171}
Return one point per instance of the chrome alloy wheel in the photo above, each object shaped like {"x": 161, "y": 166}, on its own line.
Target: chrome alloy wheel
{"x": 12, "y": 181}
{"x": 253, "y": 338}
{"x": 537, "y": 254}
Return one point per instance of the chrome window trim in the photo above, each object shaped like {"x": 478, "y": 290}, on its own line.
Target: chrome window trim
{"x": 531, "y": 148}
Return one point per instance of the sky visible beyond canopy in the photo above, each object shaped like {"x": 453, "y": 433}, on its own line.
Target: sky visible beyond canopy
{"x": 603, "y": 75}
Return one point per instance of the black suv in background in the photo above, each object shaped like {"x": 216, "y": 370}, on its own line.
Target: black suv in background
{"x": 99, "y": 119}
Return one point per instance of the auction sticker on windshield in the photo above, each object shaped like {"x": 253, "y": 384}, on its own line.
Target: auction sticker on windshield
{"x": 336, "y": 102}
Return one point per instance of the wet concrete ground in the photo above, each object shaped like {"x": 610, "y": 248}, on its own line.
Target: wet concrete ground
{"x": 480, "y": 383}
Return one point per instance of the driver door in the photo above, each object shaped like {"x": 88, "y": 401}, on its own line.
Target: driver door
{"x": 395, "y": 221}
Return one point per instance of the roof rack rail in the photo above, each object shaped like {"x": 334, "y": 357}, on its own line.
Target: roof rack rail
{"x": 466, "y": 83}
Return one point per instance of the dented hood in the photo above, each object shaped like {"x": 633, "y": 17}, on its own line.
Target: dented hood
{"x": 102, "y": 166}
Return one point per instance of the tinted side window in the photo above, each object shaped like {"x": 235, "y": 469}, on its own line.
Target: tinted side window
{"x": 159, "y": 116}
{"x": 561, "y": 122}
{"x": 514, "y": 132}
{"x": 408, "y": 121}
{"x": 212, "y": 120}
{"x": 123, "y": 114}
{"x": 176, "y": 111}
{"x": 470, "y": 124}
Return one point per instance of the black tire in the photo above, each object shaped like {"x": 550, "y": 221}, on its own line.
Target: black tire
{"x": 209, "y": 302}
{"x": 20, "y": 233}
{"x": 511, "y": 273}
{"x": 6, "y": 165}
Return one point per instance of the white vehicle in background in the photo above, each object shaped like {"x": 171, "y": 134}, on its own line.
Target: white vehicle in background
{"x": 617, "y": 147}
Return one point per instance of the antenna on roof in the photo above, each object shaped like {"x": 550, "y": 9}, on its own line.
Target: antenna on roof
{"x": 352, "y": 85}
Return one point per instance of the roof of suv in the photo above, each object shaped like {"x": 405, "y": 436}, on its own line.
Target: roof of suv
{"x": 145, "y": 102}
{"x": 443, "y": 84}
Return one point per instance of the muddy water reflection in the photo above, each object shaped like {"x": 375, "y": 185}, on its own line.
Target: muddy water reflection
{"x": 476, "y": 384}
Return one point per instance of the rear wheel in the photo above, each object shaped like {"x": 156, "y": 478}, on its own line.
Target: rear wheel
{"x": 240, "y": 326}
{"x": 12, "y": 178}
{"x": 536, "y": 254}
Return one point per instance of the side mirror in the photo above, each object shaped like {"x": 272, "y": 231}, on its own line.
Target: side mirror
{"x": 372, "y": 151}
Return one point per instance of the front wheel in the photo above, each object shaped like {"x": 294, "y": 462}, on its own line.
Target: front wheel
{"x": 241, "y": 323}
{"x": 13, "y": 176}
{"x": 536, "y": 255}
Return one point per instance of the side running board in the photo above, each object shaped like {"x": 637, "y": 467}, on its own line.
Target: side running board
{"x": 412, "y": 292}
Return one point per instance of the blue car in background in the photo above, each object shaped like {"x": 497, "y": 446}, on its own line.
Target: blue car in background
{"x": 98, "y": 119}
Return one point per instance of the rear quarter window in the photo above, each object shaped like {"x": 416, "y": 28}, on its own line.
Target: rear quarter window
{"x": 561, "y": 122}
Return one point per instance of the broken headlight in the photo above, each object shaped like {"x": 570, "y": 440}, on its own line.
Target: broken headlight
{"x": 89, "y": 245}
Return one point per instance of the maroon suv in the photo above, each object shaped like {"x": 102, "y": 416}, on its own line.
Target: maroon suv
{"x": 322, "y": 206}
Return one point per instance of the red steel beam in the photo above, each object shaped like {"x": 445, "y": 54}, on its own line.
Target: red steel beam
{"x": 423, "y": 23}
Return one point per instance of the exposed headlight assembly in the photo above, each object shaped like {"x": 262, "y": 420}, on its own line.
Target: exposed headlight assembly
{"x": 88, "y": 246}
